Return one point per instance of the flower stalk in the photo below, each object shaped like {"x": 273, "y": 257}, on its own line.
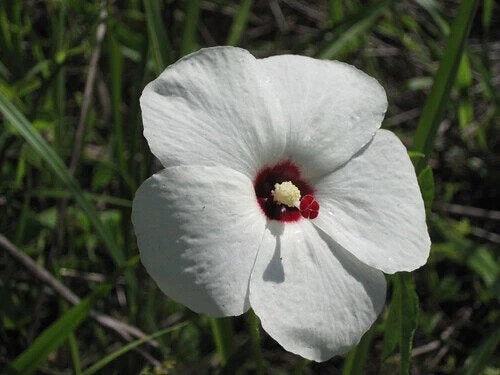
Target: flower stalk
{"x": 254, "y": 328}
{"x": 222, "y": 332}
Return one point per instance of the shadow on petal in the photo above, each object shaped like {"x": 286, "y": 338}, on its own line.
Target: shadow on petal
{"x": 274, "y": 271}
{"x": 363, "y": 273}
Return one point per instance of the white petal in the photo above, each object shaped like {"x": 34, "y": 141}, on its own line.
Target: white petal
{"x": 198, "y": 230}
{"x": 372, "y": 206}
{"x": 214, "y": 107}
{"x": 312, "y": 296}
{"x": 331, "y": 108}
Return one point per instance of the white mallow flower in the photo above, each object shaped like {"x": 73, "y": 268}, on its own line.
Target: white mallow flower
{"x": 279, "y": 193}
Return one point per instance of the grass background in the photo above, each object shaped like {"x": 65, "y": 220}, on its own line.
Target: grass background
{"x": 72, "y": 155}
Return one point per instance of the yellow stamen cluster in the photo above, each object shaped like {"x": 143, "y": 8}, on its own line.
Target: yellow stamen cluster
{"x": 286, "y": 193}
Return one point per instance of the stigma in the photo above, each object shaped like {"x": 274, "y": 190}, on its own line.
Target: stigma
{"x": 286, "y": 193}
{"x": 309, "y": 207}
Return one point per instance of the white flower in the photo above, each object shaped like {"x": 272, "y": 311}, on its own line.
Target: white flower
{"x": 217, "y": 235}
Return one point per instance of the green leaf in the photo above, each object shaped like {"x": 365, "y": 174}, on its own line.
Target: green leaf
{"x": 415, "y": 155}
{"x": 484, "y": 264}
{"x": 41, "y": 147}
{"x": 426, "y": 182}
{"x": 239, "y": 23}
{"x": 354, "y": 27}
{"x": 190, "y": 26}
{"x": 56, "y": 334}
{"x": 158, "y": 40}
{"x": 355, "y": 362}
{"x": 481, "y": 356}
{"x": 443, "y": 81}
{"x": 126, "y": 348}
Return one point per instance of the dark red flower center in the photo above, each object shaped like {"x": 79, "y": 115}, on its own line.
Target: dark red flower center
{"x": 265, "y": 183}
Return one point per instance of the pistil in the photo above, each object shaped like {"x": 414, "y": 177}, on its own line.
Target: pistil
{"x": 283, "y": 194}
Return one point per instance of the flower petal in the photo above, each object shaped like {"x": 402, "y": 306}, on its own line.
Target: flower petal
{"x": 372, "y": 206}
{"x": 198, "y": 230}
{"x": 312, "y": 296}
{"x": 332, "y": 109}
{"x": 214, "y": 107}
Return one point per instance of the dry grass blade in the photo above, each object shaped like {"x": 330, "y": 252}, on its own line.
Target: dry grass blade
{"x": 125, "y": 330}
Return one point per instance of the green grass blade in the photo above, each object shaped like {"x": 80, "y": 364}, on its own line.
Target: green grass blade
{"x": 239, "y": 23}
{"x": 73, "y": 346}
{"x": 23, "y": 217}
{"x": 481, "y": 356}
{"x": 356, "y": 360}
{"x": 116, "y": 68}
{"x": 190, "y": 26}
{"x": 158, "y": 39}
{"x": 61, "y": 193}
{"x": 424, "y": 143}
{"x": 402, "y": 320}
{"x": 57, "y": 333}
{"x": 408, "y": 318}
{"x": 336, "y": 10}
{"x": 75, "y": 355}
{"x": 434, "y": 9}
{"x": 392, "y": 330}
{"x": 463, "y": 82}
{"x": 443, "y": 81}
{"x": 60, "y": 86}
{"x": 41, "y": 147}
{"x": 353, "y": 28}
{"x": 5, "y": 27}
{"x": 301, "y": 366}
{"x": 485, "y": 77}
{"x": 116, "y": 62}
{"x": 126, "y": 348}
{"x": 487, "y": 14}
